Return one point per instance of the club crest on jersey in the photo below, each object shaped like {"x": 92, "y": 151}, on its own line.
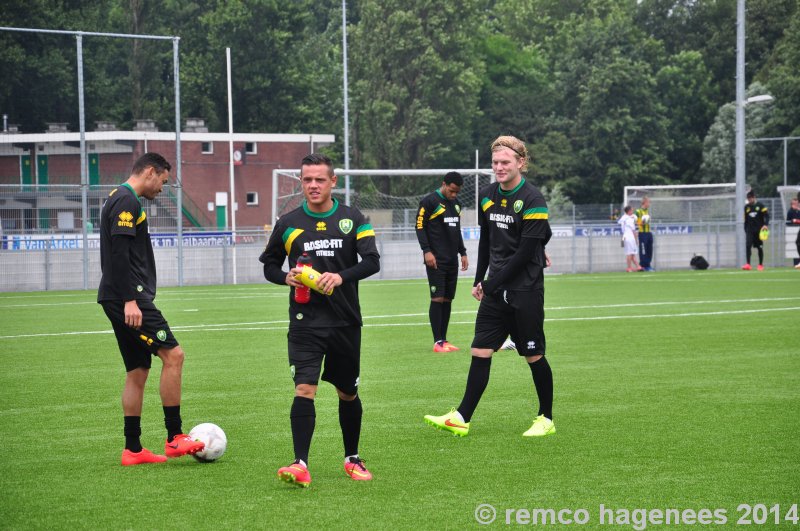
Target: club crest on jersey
{"x": 161, "y": 335}
{"x": 517, "y": 205}
{"x": 321, "y": 226}
{"x": 458, "y": 209}
{"x": 503, "y": 203}
{"x": 346, "y": 225}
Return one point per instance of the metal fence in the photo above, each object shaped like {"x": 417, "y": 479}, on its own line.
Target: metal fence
{"x": 54, "y": 261}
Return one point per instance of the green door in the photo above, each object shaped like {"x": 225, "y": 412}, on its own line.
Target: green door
{"x": 94, "y": 169}
{"x": 221, "y": 216}
{"x": 42, "y": 178}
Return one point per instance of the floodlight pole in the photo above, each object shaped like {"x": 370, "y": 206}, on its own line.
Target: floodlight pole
{"x": 230, "y": 160}
{"x": 84, "y": 177}
{"x": 346, "y": 112}
{"x": 178, "y": 176}
{"x": 740, "y": 133}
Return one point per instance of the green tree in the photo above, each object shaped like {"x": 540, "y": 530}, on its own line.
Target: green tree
{"x": 719, "y": 146}
{"x": 684, "y": 87}
{"x": 416, "y": 82}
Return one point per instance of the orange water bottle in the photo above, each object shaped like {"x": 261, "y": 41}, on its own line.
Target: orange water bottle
{"x": 303, "y": 294}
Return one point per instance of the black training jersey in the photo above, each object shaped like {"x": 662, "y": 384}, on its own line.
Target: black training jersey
{"x": 755, "y": 216}
{"x": 334, "y": 240}
{"x": 439, "y": 229}
{"x": 123, "y": 215}
{"x": 509, "y": 217}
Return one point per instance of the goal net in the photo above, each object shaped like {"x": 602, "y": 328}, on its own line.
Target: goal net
{"x": 686, "y": 202}
{"x": 389, "y": 198}
{"x": 787, "y": 193}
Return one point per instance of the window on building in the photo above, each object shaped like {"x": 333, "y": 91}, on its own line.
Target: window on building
{"x": 207, "y": 148}
{"x": 252, "y": 198}
{"x": 250, "y": 148}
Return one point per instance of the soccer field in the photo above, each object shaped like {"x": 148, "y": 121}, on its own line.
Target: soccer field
{"x": 673, "y": 390}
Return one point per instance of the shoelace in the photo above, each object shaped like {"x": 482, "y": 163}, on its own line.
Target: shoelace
{"x": 359, "y": 463}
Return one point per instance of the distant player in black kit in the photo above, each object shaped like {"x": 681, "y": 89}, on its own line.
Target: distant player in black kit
{"x": 325, "y": 332}
{"x": 439, "y": 233}
{"x": 514, "y": 231}
{"x": 127, "y": 290}
{"x": 756, "y": 218}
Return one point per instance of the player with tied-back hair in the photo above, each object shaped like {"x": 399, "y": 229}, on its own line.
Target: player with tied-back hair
{"x": 514, "y": 231}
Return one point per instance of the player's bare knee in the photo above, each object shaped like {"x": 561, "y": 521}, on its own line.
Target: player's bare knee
{"x": 172, "y": 357}
{"x": 305, "y": 391}
{"x": 534, "y": 359}
{"x": 482, "y": 352}
{"x": 438, "y": 299}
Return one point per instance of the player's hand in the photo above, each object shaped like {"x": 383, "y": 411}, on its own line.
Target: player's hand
{"x": 327, "y": 281}
{"x": 430, "y": 260}
{"x": 477, "y": 291}
{"x": 293, "y": 277}
{"x": 547, "y": 262}
{"x": 464, "y": 263}
{"x": 133, "y": 315}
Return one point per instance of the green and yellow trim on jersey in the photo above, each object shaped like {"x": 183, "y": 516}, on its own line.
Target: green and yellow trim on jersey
{"x": 289, "y": 235}
{"x": 364, "y": 230}
{"x": 486, "y": 203}
{"x": 438, "y": 212}
{"x": 535, "y": 213}
{"x": 141, "y": 218}
{"x": 321, "y": 214}
{"x": 513, "y": 190}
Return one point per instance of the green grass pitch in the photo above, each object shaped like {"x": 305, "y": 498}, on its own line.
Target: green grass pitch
{"x": 673, "y": 390}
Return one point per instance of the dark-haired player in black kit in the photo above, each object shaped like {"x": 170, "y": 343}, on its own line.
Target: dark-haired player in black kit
{"x": 756, "y": 217}
{"x": 325, "y": 332}
{"x": 127, "y": 290}
{"x": 514, "y": 231}
{"x": 439, "y": 233}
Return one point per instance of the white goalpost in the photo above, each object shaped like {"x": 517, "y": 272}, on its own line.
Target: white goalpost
{"x": 686, "y": 202}
{"x": 388, "y": 197}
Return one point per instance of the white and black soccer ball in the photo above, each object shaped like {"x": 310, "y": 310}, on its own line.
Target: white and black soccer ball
{"x": 214, "y": 438}
{"x": 646, "y": 218}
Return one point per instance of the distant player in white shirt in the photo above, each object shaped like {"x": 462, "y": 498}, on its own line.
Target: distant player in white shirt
{"x": 630, "y": 239}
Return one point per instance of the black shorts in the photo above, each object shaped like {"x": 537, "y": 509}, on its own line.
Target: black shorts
{"x": 442, "y": 282}
{"x": 337, "y": 348}
{"x": 138, "y": 346}
{"x": 519, "y": 314}
{"x": 753, "y": 239}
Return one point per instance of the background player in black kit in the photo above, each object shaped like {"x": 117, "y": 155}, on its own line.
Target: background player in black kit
{"x": 127, "y": 290}
{"x": 756, "y": 217}
{"x": 439, "y": 233}
{"x": 326, "y": 331}
{"x": 514, "y": 231}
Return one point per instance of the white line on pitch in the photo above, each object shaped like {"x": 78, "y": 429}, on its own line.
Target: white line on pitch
{"x": 242, "y": 326}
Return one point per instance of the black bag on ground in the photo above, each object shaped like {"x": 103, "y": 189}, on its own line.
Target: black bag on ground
{"x": 698, "y": 262}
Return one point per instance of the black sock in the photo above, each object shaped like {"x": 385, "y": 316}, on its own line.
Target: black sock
{"x": 446, "y": 308}
{"x": 477, "y": 380}
{"x": 543, "y": 380}
{"x": 133, "y": 430}
{"x": 172, "y": 420}
{"x": 435, "y": 316}
{"x": 350, "y": 421}
{"x": 303, "y": 417}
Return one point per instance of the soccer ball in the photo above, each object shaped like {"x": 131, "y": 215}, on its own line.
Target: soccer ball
{"x": 646, "y": 218}
{"x": 214, "y": 438}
